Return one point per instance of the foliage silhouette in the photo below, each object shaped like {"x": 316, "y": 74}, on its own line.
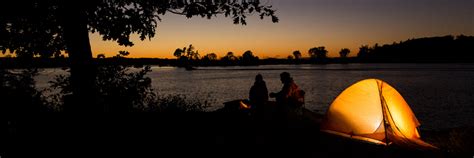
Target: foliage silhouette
{"x": 120, "y": 89}
{"x": 318, "y": 54}
{"x": 46, "y": 28}
{"x": 124, "y": 89}
{"x": 210, "y": 57}
{"x": 344, "y": 52}
{"x": 187, "y": 57}
{"x": 429, "y": 49}
{"x": 364, "y": 51}
{"x": 229, "y": 59}
{"x": 297, "y": 56}
{"x": 248, "y": 58}
{"x": 18, "y": 93}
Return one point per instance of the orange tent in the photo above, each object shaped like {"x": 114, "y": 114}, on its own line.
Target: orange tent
{"x": 373, "y": 111}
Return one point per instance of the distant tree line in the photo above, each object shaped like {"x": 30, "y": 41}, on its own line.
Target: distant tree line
{"x": 189, "y": 57}
{"x": 430, "y": 49}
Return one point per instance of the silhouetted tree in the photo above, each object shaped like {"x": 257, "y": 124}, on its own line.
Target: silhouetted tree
{"x": 181, "y": 57}
{"x": 248, "y": 58}
{"x": 186, "y": 56}
{"x": 318, "y": 54}
{"x": 230, "y": 56}
{"x": 248, "y": 55}
{"x": 297, "y": 54}
{"x": 363, "y": 51}
{"x": 47, "y": 27}
{"x": 191, "y": 54}
{"x": 179, "y": 52}
{"x": 229, "y": 59}
{"x": 297, "y": 57}
{"x": 210, "y": 57}
{"x": 344, "y": 52}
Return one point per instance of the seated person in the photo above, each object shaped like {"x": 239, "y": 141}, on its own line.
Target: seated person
{"x": 258, "y": 94}
{"x": 290, "y": 95}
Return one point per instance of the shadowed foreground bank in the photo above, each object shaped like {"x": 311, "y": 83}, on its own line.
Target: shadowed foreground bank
{"x": 170, "y": 131}
{"x": 221, "y": 133}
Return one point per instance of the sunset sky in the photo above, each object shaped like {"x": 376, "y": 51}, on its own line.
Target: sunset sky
{"x": 304, "y": 24}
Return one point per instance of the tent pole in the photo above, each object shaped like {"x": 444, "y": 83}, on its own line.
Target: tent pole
{"x": 383, "y": 113}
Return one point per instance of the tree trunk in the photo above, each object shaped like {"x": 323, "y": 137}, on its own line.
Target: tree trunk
{"x": 83, "y": 70}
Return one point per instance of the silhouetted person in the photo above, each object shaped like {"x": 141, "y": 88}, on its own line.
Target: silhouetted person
{"x": 290, "y": 98}
{"x": 258, "y": 94}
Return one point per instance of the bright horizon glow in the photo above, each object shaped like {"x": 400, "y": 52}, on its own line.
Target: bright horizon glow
{"x": 304, "y": 24}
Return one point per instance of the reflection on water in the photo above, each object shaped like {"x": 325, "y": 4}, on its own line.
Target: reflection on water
{"x": 441, "y": 95}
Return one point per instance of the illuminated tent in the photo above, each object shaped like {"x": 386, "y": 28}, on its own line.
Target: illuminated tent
{"x": 373, "y": 111}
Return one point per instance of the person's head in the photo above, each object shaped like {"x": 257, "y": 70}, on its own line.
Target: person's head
{"x": 258, "y": 78}
{"x": 285, "y": 77}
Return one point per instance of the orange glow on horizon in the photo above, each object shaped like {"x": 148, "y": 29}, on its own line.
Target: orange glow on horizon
{"x": 264, "y": 38}
{"x": 155, "y": 48}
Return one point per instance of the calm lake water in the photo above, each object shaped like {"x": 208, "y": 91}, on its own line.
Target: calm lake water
{"x": 440, "y": 95}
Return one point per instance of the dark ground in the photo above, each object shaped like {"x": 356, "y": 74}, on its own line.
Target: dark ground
{"x": 216, "y": 134}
